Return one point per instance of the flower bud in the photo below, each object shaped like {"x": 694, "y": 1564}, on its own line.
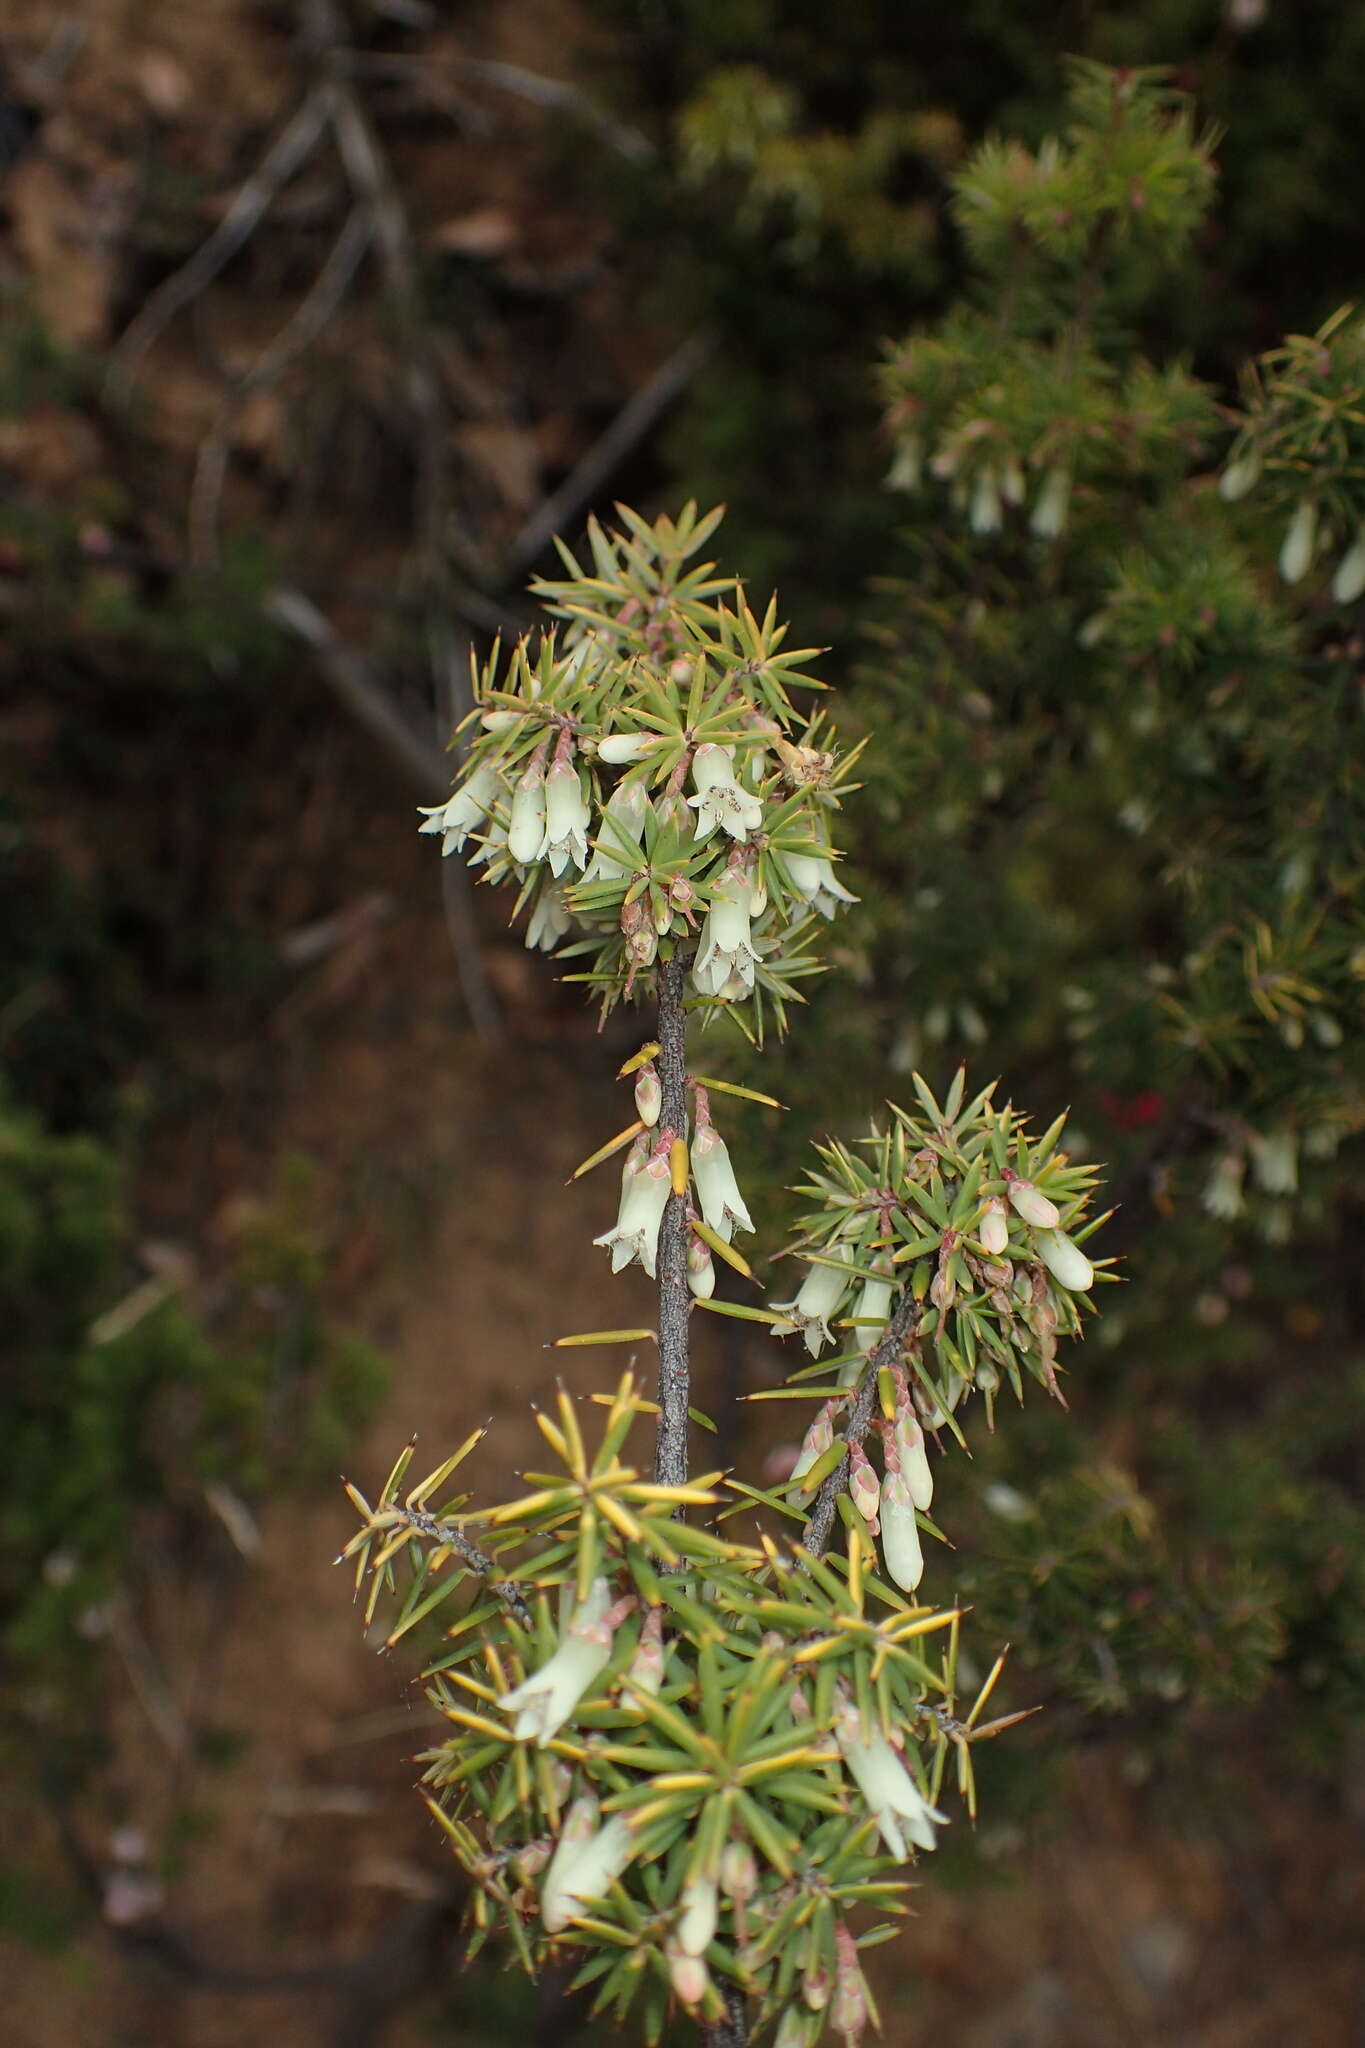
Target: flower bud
{"x": 864, "y": 1488}
{"x": 1066, "y": 1262}
{"x": 701, "y": 1270}
{"x": 1053, "y": 503}
{"x": 1349, "y": 581}
{"x": 902, "y": 1551}
{"x": 688, "y": 1974}
{"x": 994, "y": 1229}
{"x": 618, "y": 748}
{"x": 1031, "y": 1203}
{"x": 526, "y": 832}
{"x": 649, "y": 1094}
{"x": 696, "y": 1928}
{"x": 738, "y": 1872}
{"x": 1300, "y": 541}
{"x": 645, "y": 1672}
{"x": 586, "y": 1863}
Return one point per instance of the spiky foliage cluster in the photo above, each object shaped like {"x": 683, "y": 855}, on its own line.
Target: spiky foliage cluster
{"x": 1302, "y": 448}
{"x": 695, "y": 1759}
{"x": 643, "y": 777}
{"x": 682, "y": 1761}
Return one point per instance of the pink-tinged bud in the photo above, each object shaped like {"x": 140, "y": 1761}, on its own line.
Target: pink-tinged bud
{"x": 649, "y": 1094}
{"x": 863, "y": 1485}
{"x": 1031, "y": 1203}
{"x": 943, "y": 1290}
{"x": 816, "y": 1986}
{"x": 994, "y": 1228}
{"x": 645, "y": 1672}
{"x": 738, "y": 1872}
{"x": 849, "y": 2013}
{"x": 532, "y": 1859}
{"x": 701, "y": 1270}
{"x": 818, "y": 1439}
{"x": 914, "y": 1458}
{"x": 689, "y": 1976}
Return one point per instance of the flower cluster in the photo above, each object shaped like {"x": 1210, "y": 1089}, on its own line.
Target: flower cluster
{"x": 950, "y": 1250}
{"x": 643, "y": 777}
{"x": 693, "y": 1761}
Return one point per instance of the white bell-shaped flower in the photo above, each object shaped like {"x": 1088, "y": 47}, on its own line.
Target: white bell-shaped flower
{"x": 645, "y": 1188}
{"x": 902, "y": 1551}
{"x": 620, "y": 832}
{"x": 722, "y": 1205}
{"x": 587, "y": 1862}
{"x": 567, "y": 818}
{"x": 725, "y": 956}
{"x": 550, "y": 919}
{"x": 720, "y": 800}
{"x": 463, "y": 812}
{"x": 818, "y": 1298}
{"x": 526, "y": 832}
{"x": 891, "y": 1793}
{"x": 543, "y": 1702}
{"x": 1052, "y": 505}
{"x": 871, "y": 1310}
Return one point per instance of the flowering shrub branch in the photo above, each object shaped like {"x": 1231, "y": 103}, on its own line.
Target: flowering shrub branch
{"x": 695, "y": 1762}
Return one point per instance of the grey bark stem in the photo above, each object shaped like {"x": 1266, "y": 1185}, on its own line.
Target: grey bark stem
{"x": 675, "y": 1303}
{"x": 885, "y": 1352}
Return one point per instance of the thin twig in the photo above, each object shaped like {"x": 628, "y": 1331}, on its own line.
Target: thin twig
{"x": 291, "y": 148}
{"x": 350, "y": 676}
{"x": 299, "y": 332}
{"x": 451, "y": 678}
{"x": 670, "y": 1456}
{"x": 526, "y": 85}
{"x": 585, "y": 480}
{"x": 886, "y": 1352}
{"x": 451, "y": 1537}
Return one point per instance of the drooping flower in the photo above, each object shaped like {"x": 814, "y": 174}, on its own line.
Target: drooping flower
{"x": 984, "y": 513}
{"x": 722, "y": 1205}
{"x": 618, "y": 841}
{"x": 1222, "y": 1195}
{"x": 818, "y": 1298}
{"x": 543, "y": 1702}
{"x": 813, "y": 877}
{"x": 720, "y": 800}
{"x": 645, "y": 1188}
{"x": 1349, "y": 581}
{"x": 567, "y": 817}
{"x": 1052, "y": 504}
{"x": 550, "y": 919}
{"x": 887, "y": 1786}
{"x": 725, "y": 956}
{"x": 1300, "y": 542}
{"x": 526, "y": 832}
{"x": 463, "y": 812}
{"x": 587, "y": 1862}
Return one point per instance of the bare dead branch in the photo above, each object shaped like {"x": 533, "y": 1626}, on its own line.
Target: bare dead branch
{"x": 635, "y": 420}
{"x": 290, "y": 149}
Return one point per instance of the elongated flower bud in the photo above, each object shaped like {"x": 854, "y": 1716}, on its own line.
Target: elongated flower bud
{"x": 985, "y": 505}
{"x": 994, "y": 1228}
{"x": 688, "y": 1974}
{"x": 701, "y": 1270}
{"x": 871, "y": 1311}
{"x": 1031, "y": 1203}
{"x": 818, "y": 1439}
{"x": 1052, "y": 505}
{"x": 696, "y": 1928}
{"x": 526, "y": 832}
{"x": 849, "y": 2014}
{"x": 649, "y": 1094}
{"x": 864, "y": 1487}
{"x": 1349, "y": 581}
{"x": 1299, "y": 542}
{"x": 738, "y": 1872}
{"x": 1066, "y": 1262}
{"x": 620, "y": 747}
{"x": 1240, "y": 477}
{"x": 902, "y": 1551}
